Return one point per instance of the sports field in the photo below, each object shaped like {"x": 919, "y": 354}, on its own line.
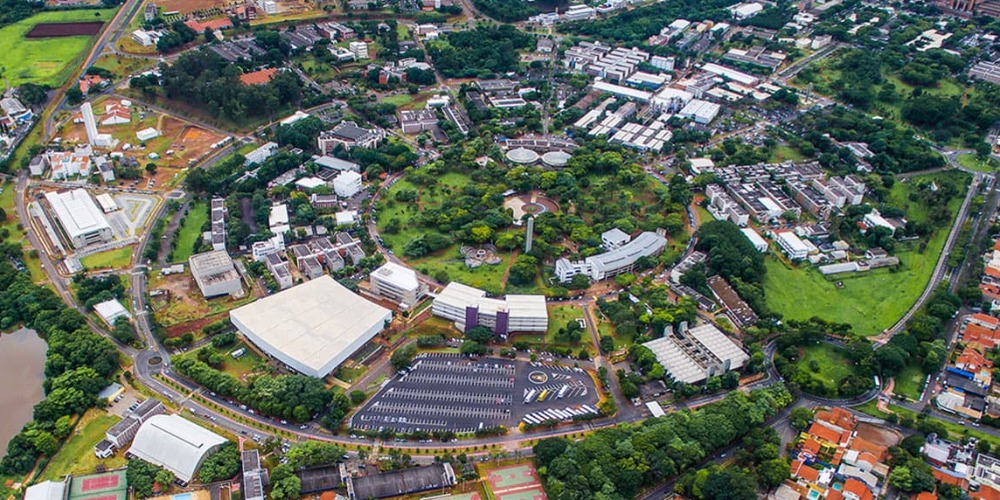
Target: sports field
{"x": 45, "y": 60}
{"x": 516, "y": 482}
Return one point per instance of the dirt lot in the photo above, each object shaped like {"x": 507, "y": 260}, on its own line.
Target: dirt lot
{"x": 182, "y": 308}
{"x": 878, "y": 435}
{"x": 49, "y": 30}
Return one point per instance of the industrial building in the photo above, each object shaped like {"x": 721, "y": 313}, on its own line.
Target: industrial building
{"x": 312, "y": 327}
{"x": 610, "y": 264}
{"x": 697, "y": 354}
{"x": 110, "y": 310}
{"x": 702, "y": 112}
{"x": 469, "y": 307}
{"x": 398, "y": 284}
{"x": 80, "y": 218}
{"x": 176, "y": 444}
{"x": 215, "y": 274}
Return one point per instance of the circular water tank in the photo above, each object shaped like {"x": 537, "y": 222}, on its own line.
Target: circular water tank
{"x": 522, "y": 156}
{"x": 556, "y": 158}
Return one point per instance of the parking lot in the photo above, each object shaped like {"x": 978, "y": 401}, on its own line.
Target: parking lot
{"x": 451, "y": 392}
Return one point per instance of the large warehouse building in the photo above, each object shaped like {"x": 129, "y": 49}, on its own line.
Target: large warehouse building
{"x": 176, "y": 444}
{"x": 695, "y": 355}
{"x": 469, "y": 307}
{"x": 312, "y": 327}
{"x": 80, "y": 218}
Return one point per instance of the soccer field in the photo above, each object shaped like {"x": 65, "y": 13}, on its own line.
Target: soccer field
{"x": 45, "y": 60}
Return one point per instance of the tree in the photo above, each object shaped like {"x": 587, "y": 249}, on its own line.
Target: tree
{"x": 524, "y": 271}
{"x": 222, "y": 464}
{"x": 479, "y": 334}
{"x": 773, "y": 472}
{"x": 151, "y": 169}
{"x": 472, "y": 348}
{"x": 285, "y": 485}
{"x": 74, "y": 95}
{"x": 314, "y": 453}
{"x": 357, "y": 397}
{"x": 800, "y": 417}
{"x": 403, "y": 356}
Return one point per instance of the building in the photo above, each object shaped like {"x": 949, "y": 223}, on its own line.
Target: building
{"x": 150, "y": 11}
{"x": 793, "y": 247}
{"x": 578, "y": 12}
{"x": 277, "y": 219}
{"x": 610, "y": 264}
{"x": 262, "y": 153}
{"x": 333, "y": 163}
{"x": 417, "y": 120}
{"x": 398, "y": 283}
{"x": 110, "y": 310}
{"x": 351, "y": 247}
{"x": 122, "y": 433}
{"x": 614, "y": 238}
{"x": 278, "y": 267}
{"x": 759, "y": 243}
{"x": 255, "y": 476}
{"x": 46, "y": 490}
{"x": 986, "y": 71}
{"x": 359, "y": 49}
{"x": 312, "y": 327}
{"x": 347, "y": 184}
{"x": 702, "y": 112}
{"x": 738, "y": 311}
{"x": 697, "y": 354}
{"x": 90, "y": 125}
{"x": 349, "y": 135}
{"x": 215, "y": 274}
{"x": 83, "y": 223}
{"x": 875, "y": 219}
{"x": 66, "y": 164}
{"x": 217, "y": 233}
{"x": 745, "y": 10}
{"x": 439, "y": 476}
{"x": 176, "y": 444}
{"x": 469, "y": 307}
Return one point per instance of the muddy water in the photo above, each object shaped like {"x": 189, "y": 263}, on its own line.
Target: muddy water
{"x": 22, "y": 370}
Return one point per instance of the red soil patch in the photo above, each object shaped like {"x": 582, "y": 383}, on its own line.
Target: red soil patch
{"x": 51, "y": 30}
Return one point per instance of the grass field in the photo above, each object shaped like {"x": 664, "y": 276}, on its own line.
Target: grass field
{"x": 398, "y": 100}
{"x": 189, "y": 233}
{"x": 122, "y": 65}
{"x": 77, "y": 454}
{"x": 973, "y": 162}
{"x": 909, "y": 382}
{"x": 870, "y": 301}
{"x": 832, "y": 362}
{"x": 783, "y": 153}
{"x": 45, "y": 60}
{"x": 244, "y": 365}
{"x": 559, "y": 317}
{"x": 112, "y": 259}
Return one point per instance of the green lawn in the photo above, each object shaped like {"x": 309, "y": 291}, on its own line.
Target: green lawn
{"x": 559, "y": 317}
{"x": 112, "y": 259}
{"x": 77, "y": 454}
{"x": 831, "y": 365}
{"x": 971, "y": 161}
{"x": 783, "y": 153}
{"x": 45, "y": 60}
{"x": 870, "y": 301}
{"x": 189, "y": 234}
{"x": 398, "y": 100}
{"x": 909, "y": 382}
{"x": 244, "y": 365}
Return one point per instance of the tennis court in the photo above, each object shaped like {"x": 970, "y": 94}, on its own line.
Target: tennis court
{"x": 515, "y": 475}
{"x": 105, "y": 486}
{"x": 533, "y": 493}
{"x": 464, "y": 496}
{"x": 98, "y": 483}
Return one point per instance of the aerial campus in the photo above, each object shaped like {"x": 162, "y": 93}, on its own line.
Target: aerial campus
{"x": 499, "y": 249}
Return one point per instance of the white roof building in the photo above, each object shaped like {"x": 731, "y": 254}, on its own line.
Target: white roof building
{"x": 469, "y": 307}
{"x": 347, "y": 184}
{"x": 79, "y": 216}
{"x": 702, "y": 112}
{"x": 759, "y": 243}
{"x": 309, "y": 183}
{"x": 277, "y": 220}
{"x": 397, "y": 283}
{"x": 111, "y": 310}
{"x": 335, "y": 163}
{"x": 262, "y": 153}
{"x": 176, "y": 444}
{"x": 46, "y": 490}
{"x": 147, "y": 134}
{"x": 694, "y": 355}
{"x": 107, "y": 203}
{"x": 793, "y": 247}
{"x": 312, "y": 327}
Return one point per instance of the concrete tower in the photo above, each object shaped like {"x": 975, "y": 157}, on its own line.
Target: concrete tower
{"x": 530, "y": 233}
{"x": 89, "y": 123}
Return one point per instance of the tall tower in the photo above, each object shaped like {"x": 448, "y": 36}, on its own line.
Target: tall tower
{"x": 89, "y": 123}
{"x": 531, "y": 232}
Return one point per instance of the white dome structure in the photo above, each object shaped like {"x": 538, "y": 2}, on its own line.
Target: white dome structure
{"x": 522, "y": 156}
{"x": 176, "y": 444}
{"x": 556, "y": 159}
